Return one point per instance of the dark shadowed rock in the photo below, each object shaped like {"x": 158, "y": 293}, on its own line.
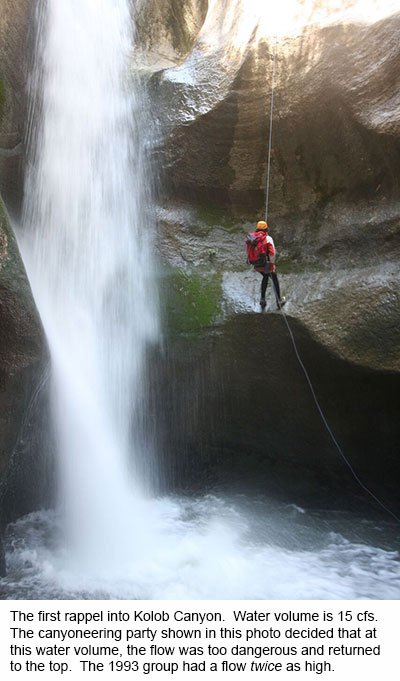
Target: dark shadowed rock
{"x": 235, "y": 408}
{"x": 23, "y": 394}
{"x": 2, "y": 560}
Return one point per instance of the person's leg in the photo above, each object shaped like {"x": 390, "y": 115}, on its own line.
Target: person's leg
{"x": 277, "y": 289}
{"x": 279, "y": 301}
{"x": 264, "y": 284}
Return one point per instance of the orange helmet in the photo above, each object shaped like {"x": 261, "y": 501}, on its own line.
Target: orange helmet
{"x": 261, "y": 224}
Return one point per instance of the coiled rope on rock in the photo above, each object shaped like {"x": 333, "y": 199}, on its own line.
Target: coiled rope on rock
{"x": 284, "y": 316}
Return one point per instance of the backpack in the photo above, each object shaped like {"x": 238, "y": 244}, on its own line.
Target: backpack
{"x": 256, "y": 246}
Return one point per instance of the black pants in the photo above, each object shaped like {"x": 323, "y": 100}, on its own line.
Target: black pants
{"x": 275, "y": 282}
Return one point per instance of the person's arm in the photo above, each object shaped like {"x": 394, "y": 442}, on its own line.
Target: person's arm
{"x": 271, "y": 253}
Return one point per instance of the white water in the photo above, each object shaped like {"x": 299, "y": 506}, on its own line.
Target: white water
{"x": 217, "y": 548}
{"x": 85, "y": 244}
{"x": 85, "y": 214}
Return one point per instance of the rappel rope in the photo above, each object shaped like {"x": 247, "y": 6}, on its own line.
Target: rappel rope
{"x": 321, "y": 413}
{"x": 270, "y": 133}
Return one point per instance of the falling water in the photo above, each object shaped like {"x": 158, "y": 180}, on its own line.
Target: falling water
{"x": 85, "y": 243}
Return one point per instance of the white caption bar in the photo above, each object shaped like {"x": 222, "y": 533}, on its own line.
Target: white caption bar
{"x": 179, "y": 639}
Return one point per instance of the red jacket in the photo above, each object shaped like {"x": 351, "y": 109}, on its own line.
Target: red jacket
{"x": 269, "y": 250}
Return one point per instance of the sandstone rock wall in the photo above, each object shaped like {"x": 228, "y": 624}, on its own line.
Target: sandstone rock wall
{"x": 334, "y": 202}
{"x": 234, "y": 408}
{"x": 165, "y": 30}
{"x": 336, "y": 118}
{"x": 15, "y": 39}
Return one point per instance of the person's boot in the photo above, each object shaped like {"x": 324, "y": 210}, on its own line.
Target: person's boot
{"x": 262, "y": 302}
{"x": 280, "y": 303}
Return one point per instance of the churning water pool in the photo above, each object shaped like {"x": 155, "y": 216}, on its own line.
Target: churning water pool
{"x": 212, "y": 548}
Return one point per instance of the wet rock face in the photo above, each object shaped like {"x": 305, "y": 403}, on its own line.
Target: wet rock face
{"x": 335, "y": 133}
{"x": 336, "y": 129}
{"x": 14, "y": 39}
{"x": 23, "y": 358}
{"x": 165, "y": 30}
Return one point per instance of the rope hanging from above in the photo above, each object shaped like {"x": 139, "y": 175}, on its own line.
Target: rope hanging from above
{"x": 270, "y": 133}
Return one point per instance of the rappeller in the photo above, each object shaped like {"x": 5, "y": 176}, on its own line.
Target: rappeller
{"x": 261, "y": 254}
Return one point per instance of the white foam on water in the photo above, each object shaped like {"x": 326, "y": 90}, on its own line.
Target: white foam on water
{"x": 211, "y": 548}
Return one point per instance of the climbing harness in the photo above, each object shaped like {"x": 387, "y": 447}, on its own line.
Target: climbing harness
{"x": 321, "y": 413}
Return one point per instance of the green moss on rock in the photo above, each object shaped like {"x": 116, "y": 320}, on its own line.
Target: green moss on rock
{"x": 191, "y": 303}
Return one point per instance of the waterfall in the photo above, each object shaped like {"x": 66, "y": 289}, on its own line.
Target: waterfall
{"x": 85, "y": 241}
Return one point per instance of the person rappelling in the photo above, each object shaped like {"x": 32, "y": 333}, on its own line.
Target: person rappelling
{"x": 259, "y": 244}
{"x": 261, "y": 254}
